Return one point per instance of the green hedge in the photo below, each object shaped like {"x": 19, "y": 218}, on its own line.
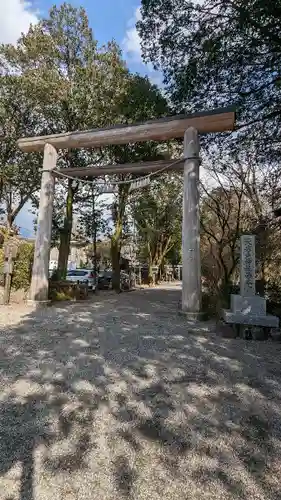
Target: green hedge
{"x": 22, "y": 266}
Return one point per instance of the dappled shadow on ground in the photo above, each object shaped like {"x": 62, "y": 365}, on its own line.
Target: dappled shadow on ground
{"x": 116, "y": 399}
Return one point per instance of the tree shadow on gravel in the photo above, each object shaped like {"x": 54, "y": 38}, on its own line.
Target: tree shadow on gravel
{"x": 117, "y": 397}
{"x": 124, "y": 475}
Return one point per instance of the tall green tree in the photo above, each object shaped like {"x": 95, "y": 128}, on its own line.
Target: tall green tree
{"x": 74, "y": 84}
{"x": 19, "y": 173}
{"x": 216, "y": 53}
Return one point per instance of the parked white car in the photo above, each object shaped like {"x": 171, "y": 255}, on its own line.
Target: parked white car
{"x": 82, "y": 276}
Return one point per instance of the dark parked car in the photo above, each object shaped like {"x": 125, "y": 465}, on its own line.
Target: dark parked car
{"x": 105, "y": 280}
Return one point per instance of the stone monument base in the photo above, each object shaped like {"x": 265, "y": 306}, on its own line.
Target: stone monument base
{"x": 248, "y": 305}
{"x": 250, "y": 319}
{"x": 249, "y": 311}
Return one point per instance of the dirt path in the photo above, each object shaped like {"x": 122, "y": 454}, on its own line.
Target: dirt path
{"x": 115, "y": 399}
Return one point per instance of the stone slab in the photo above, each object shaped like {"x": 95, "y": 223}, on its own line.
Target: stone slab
{"x": 250, "y": 319}
{"x": 248, "y": 305}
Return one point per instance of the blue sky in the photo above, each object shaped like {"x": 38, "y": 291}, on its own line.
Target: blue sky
{"x": 108, "y": 18}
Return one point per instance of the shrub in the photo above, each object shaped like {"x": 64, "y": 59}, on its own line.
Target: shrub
{"x": 23, "y": 266}
{"x": 65, "y": 290}
{"x": 56, "y": 296}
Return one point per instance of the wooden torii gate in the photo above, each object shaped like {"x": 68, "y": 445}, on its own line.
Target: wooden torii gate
{"x": 187, "y": 126}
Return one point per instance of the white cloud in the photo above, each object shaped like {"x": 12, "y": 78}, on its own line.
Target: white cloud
{"x": 131, "y": 43}
{"x": 131, "y": 46}
{"x": 15, "y": 18}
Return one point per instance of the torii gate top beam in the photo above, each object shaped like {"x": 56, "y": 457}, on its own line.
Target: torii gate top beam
{"x": 218, "y": 120}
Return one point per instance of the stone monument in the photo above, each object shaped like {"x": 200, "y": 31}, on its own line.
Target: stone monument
{"x": 248, "y": 309}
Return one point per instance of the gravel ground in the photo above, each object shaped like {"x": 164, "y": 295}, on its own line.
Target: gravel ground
{"x": 117, "y": 399}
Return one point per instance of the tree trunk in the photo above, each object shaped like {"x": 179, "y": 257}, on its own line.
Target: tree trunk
{"x": 10, "y": 222}
{"x": 63, "y": 252}
{"x": 159, "y": 256}
{"x": 116, "y": 238}
{"x": 150, "y": 273}
{"x": 159, "y": 275}
{"x": 115, "y": 261}
{"x": 161, "y": 270}
{"x": 65, "y": 235}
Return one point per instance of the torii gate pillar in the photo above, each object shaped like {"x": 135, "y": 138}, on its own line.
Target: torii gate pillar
{"x": 40, "y": 272}
{"x": 191, "y": 262}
